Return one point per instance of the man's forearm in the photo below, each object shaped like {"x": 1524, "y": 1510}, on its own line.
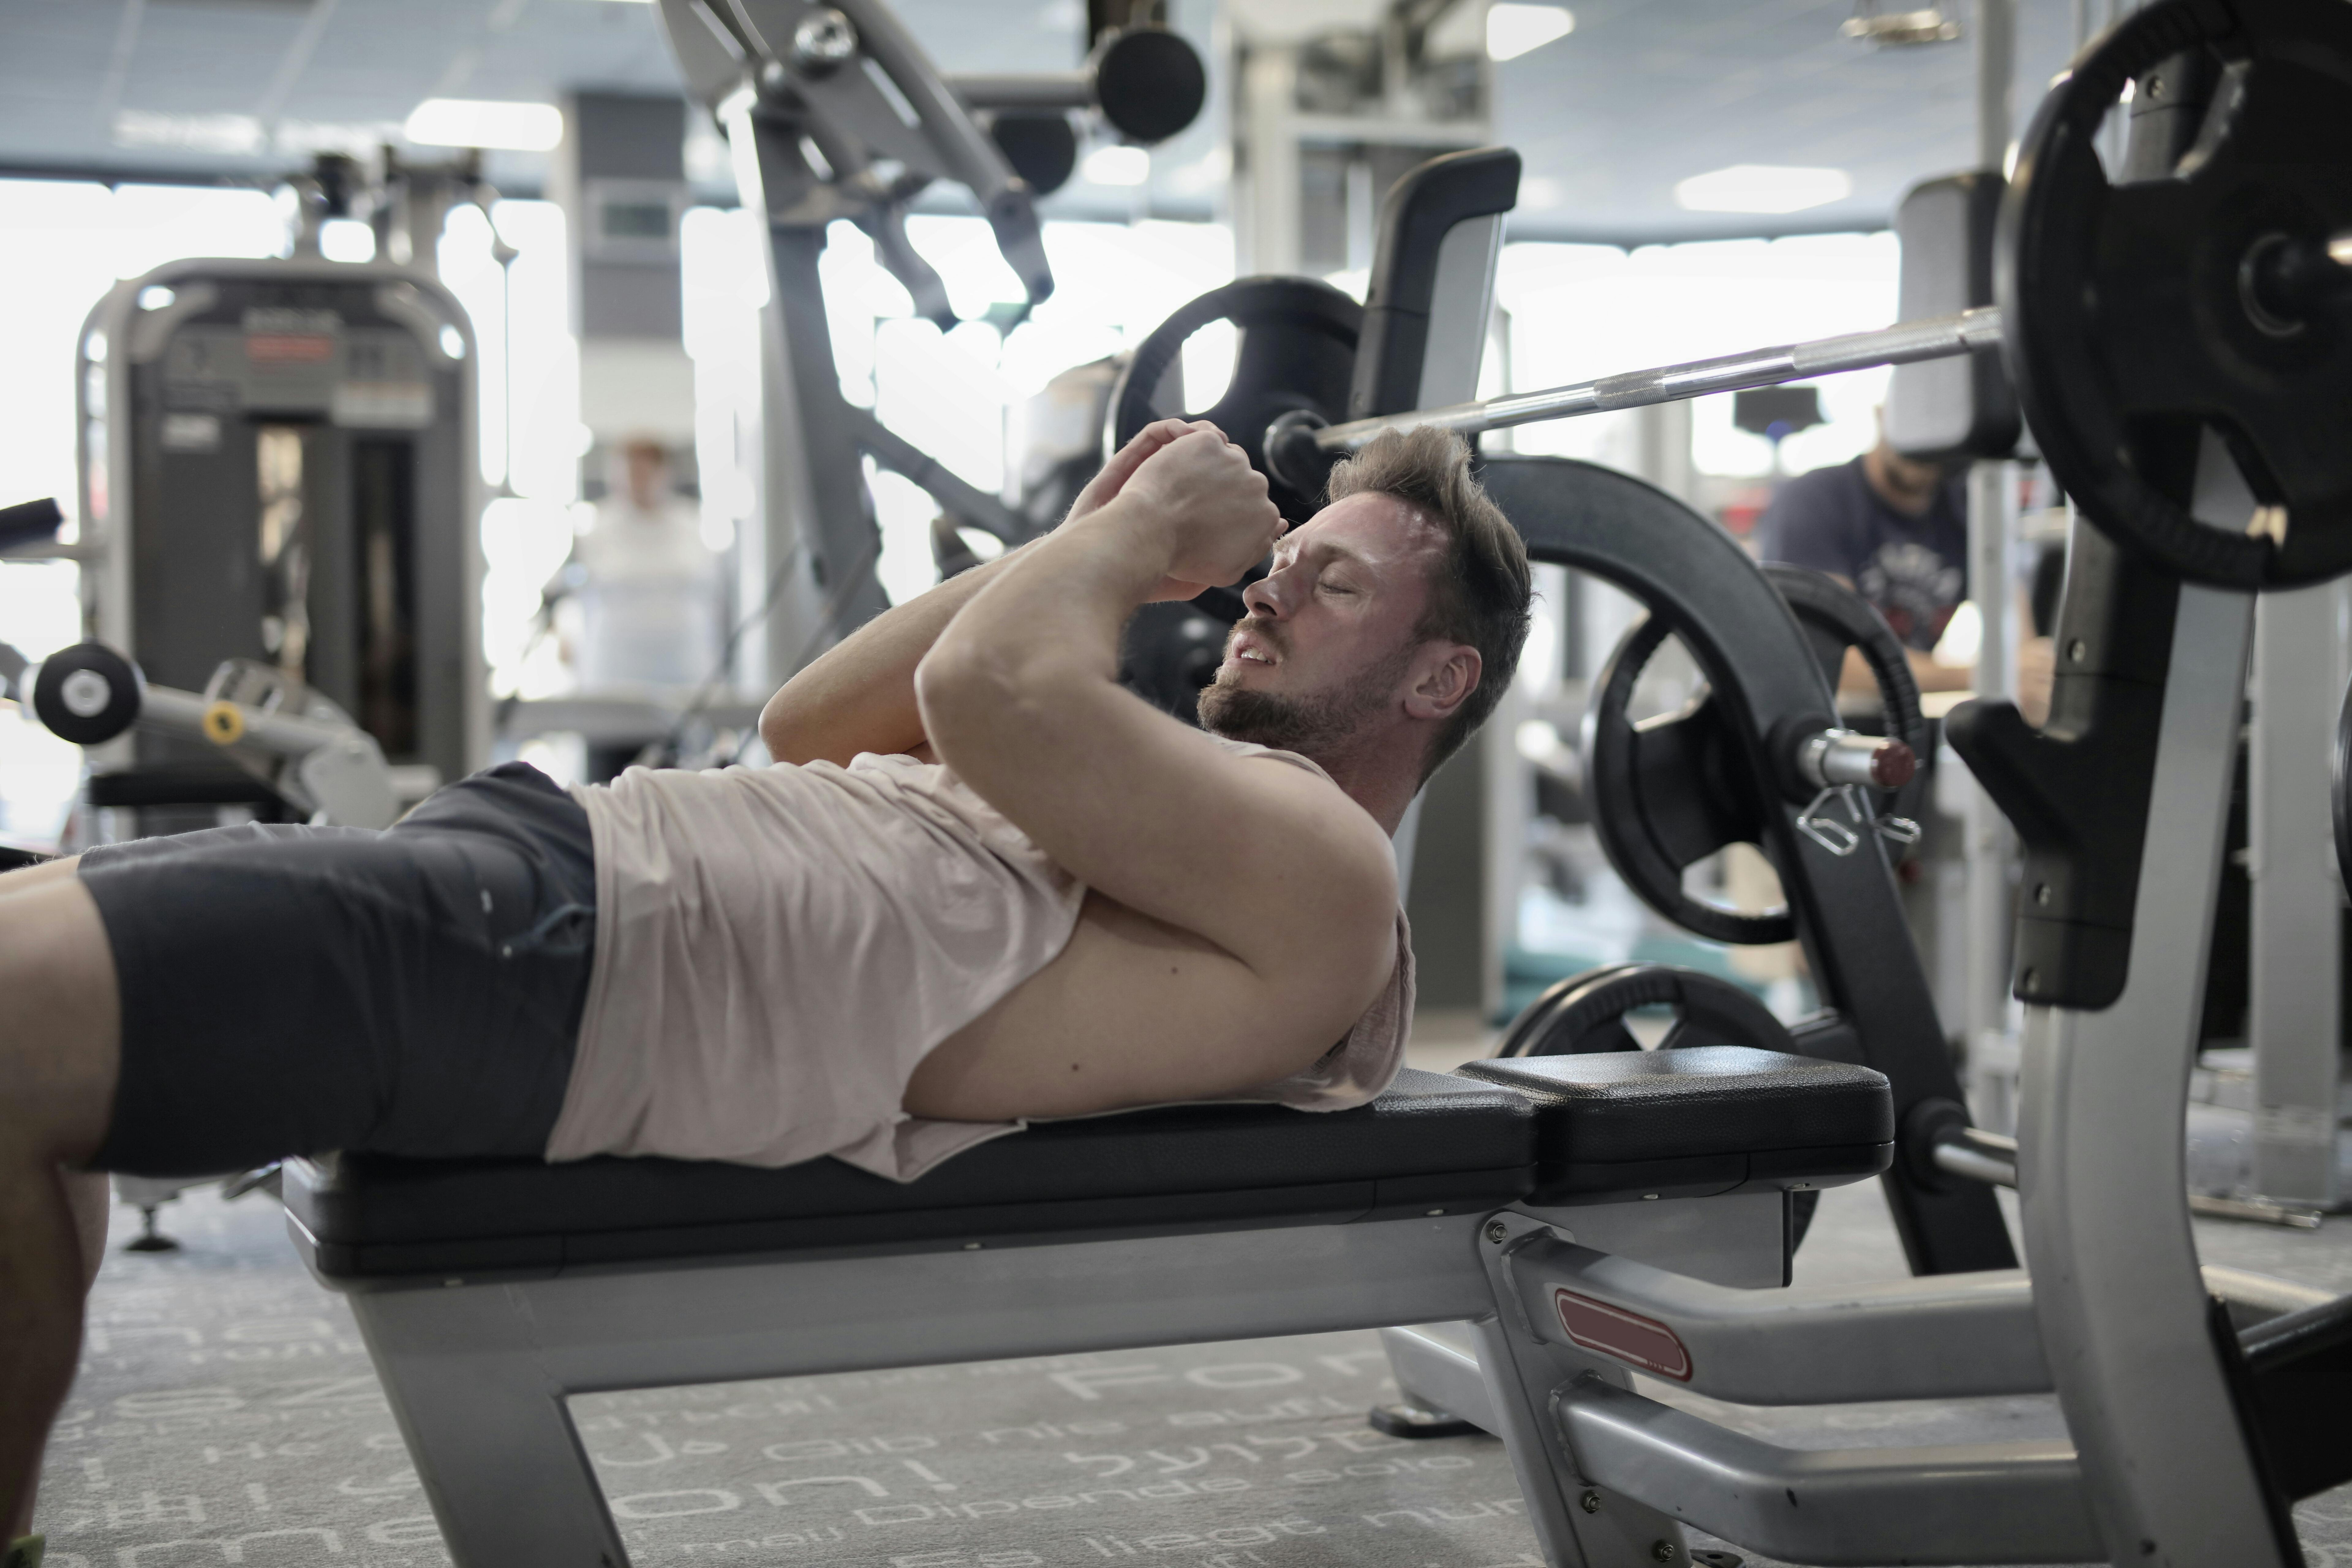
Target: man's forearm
{"x": 860, "y": 695}
{"x": 1057, "y": 618}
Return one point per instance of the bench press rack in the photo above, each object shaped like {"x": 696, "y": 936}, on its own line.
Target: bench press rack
{"x": 489, "y": 1291}
{"x": 1555, "y": 1224}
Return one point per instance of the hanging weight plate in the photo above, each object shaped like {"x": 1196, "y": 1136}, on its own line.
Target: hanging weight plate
{"x": 2204, "y": 295}
{"x": 1672, "y": 790}
{"x": 1586, "y": 1013}
{"x": 1296, "y": 350}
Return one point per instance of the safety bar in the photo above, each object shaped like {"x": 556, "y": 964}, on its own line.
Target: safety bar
{"x": 1959, "y": 1503}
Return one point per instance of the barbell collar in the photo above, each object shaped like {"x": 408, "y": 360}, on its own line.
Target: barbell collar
{"x": 1941, "y": 337}
{"x": 1831, "y": 758}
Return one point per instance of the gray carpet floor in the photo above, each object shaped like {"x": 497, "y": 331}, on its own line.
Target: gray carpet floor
{"x": 225, "y": 1412}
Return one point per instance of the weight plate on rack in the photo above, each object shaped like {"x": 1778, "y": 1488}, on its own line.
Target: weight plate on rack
{"x": 1586, "y": 1013}
{"x": 1672, "y": 790}
{"x": 1297, "y": 350}
{"x": 2212, "y": 295}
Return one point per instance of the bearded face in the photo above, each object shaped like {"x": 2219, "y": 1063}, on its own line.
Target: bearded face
{"x": 1308, "y": 722}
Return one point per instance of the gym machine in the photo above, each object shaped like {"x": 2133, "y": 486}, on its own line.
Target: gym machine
{"x": 1592, "y": 1214}
{"x": 306, "y": 752}
{"x": 817, "y": 136}
{"x": 276, "y": 463}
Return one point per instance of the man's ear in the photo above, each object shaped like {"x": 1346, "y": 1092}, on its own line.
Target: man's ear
{"x": 1443, "y": 677}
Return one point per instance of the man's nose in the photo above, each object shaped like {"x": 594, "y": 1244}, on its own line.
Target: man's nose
{"x": 1269, "y": 596}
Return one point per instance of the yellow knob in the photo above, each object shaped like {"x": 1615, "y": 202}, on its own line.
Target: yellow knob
{"x": 224, "y": 725}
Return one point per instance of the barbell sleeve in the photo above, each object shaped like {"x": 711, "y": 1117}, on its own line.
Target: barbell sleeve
{"x": 1941, "y": 337}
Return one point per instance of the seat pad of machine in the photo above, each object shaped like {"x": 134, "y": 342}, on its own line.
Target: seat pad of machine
{"x": 1433, "y": 1143}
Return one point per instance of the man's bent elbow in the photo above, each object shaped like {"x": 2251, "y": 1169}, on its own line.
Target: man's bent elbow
{"x": 781, "y": 731}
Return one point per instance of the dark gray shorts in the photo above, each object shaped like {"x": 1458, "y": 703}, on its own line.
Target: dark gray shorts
{"x": 292, "y": 990}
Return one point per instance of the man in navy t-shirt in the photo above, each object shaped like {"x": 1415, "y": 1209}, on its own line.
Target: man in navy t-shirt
{"x": 1897, "y": 532}
{"x": 1893, "y": 530}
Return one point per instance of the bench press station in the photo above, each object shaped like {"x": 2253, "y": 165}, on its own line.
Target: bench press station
{"x": 488, "y": 1293}
{"x": 1588, "y": 1216}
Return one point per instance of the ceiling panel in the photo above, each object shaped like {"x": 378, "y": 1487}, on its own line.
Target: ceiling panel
{"x": 1642, "y": 94}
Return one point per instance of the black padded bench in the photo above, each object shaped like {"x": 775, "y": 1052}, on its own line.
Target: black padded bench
{"x": 490, "y": 1290}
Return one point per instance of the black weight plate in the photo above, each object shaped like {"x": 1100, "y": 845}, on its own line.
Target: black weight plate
{"x": 1296, "y": 349}
{"x": 1667, "y": 792}
{"x": 2129, "y": 317}
{"x": 1672, "y": 790}
{"x": 87, "y": 693}
{"x": 1586, "y": 1013}
{"x": 1530, "y": 1025}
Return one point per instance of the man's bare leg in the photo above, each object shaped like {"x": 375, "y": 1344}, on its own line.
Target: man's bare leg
{"x": 60, "y": 1052}
{"x": 26, "y": 878}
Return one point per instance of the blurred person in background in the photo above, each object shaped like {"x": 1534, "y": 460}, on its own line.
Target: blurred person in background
{"x": 647, "y": 595}
{"x": 1895, "y": 530}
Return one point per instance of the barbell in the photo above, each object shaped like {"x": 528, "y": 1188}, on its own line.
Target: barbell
{"x": 2211, "y": 290}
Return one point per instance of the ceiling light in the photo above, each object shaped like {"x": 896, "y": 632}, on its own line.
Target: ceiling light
{"x": 230, "y": 134}
{"x": 485, "y": 122}
{"x": 1513, "y": 30}
{"x": 1762, "y": 188}
{"x": 1117, "y": 166}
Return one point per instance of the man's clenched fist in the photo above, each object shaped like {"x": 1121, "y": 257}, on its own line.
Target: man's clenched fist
{"x": 1200, "y": 495}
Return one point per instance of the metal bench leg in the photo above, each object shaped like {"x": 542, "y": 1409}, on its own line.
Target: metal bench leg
{"x": 488, "y": 1430}
{"x": 1437, "y": 1372}
{"x": 1577, "y": 1524}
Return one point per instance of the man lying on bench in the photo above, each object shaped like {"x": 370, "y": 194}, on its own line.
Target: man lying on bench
{"x": 982, "y": 884}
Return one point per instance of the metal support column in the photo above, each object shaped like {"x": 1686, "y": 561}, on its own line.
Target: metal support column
{"x": 1988, "y": 1047}
{"x": 2115, "y": 1285}
{"x": 2295, "y": 1014}
{"x": 1991, "y": 849}
{"x": 818, "y": 541}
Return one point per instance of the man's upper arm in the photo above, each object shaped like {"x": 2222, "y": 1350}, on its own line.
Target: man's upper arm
{"x": 1263, "y": 858}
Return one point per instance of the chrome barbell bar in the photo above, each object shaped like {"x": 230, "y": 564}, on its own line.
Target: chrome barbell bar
{"x": 1940, "y": 337}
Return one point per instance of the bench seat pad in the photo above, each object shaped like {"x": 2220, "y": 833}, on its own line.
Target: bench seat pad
{"x": 1436, "y": 1142}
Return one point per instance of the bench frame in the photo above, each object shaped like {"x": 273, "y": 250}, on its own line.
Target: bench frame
{"x": 477, "y": 1371}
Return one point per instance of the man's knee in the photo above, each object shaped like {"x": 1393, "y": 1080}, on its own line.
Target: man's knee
{"x": 61, "y": 1030}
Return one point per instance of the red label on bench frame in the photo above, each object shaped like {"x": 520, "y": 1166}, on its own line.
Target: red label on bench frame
{"x": 1628, "y": 1336}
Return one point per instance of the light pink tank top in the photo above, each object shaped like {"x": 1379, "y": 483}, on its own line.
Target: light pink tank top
{"x": 778, "y": 948}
